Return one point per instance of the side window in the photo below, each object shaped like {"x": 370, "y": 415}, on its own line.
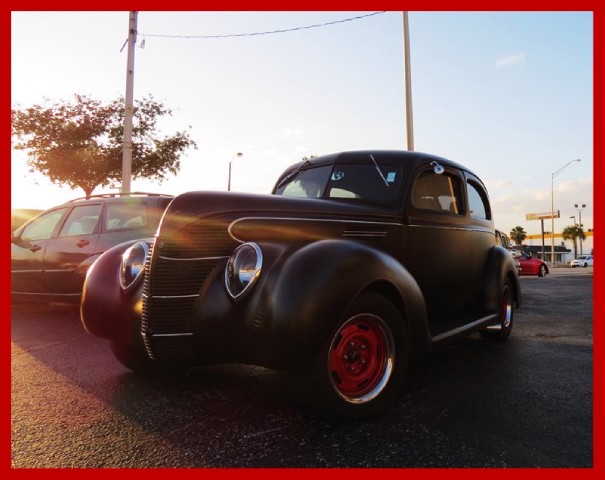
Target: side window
{"x": 81, "y": 221}
{"x": 124, "y": 216}
{"x": 43, "y": 227}
{"x": 477, "y": 201}
{"x": 440, "y": 193}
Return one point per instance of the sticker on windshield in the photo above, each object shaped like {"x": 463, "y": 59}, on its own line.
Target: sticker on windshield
{"x": 391, "y": 177}
{"x": 338, "y": 175}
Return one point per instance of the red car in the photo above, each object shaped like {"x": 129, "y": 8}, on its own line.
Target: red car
{"x": 531, "y": 265}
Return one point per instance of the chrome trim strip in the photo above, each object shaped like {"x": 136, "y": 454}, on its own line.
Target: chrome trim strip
{"x": 464, "y": 229}
{"x": 298, "y": 219}
{"x": 364, "y": 234}
{"x": 164, "y": 297}
{"x": 172, "y": 334}
{"x": 473, "y": 228}
{"x": 173, "y": 259}
{"x": 464, "y": 328}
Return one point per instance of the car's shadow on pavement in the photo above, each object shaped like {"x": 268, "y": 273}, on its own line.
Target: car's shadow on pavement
{"x": 244, "y": 416}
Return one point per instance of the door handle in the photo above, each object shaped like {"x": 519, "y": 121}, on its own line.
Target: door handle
{"x": 82, "y": 243}
{"x": 35, "y": 248}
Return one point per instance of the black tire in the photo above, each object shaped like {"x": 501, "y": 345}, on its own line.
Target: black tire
{"x": 506, "y": 306}
{"x": 542, "y": 271}
{"x": 139, "y": 362}
{"x": 585, "y": 264}
{"x": 362, "y": 365}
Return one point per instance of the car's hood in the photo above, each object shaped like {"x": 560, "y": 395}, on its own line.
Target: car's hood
{"x": 245, "y": 212}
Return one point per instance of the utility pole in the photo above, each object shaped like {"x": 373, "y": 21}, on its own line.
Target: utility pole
{"x": 129, "y": 106}
{"x": 580, "y": 207}
{"x": 552, "y": 207}
{"x": 409, "y": 121}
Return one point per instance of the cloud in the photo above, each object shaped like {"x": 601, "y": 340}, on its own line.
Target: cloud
{"x": 296, "y": 132}
{"x": 494, "y": 184}
{"x": 509, "y": 61}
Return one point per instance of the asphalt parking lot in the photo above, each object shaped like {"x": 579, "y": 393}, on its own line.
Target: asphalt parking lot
{"x": 523, "y": 403}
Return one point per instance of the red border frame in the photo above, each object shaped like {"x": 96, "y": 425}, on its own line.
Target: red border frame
{"x": 598, "y": 470}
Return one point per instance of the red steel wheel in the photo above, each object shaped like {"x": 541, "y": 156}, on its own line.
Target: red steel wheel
{"x": 502, "y": 330}
{"x": 361, "y": 358}
{"x": 506, "y": 306}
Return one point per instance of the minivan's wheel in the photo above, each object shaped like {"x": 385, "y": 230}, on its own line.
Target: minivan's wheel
{"x": 362, "y": 364}
{"x": 503, "y": 329}
{"x": 542, "y": 271}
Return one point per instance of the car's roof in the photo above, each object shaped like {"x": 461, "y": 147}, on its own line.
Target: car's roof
{"x": 409, "y": 159}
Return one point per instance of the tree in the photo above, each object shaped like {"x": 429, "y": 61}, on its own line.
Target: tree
{"x": 79, "y": 144}
{"x": 573, "y": 232}
{"x": 517, "y": 235}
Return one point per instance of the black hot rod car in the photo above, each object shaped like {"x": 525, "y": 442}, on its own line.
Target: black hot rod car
{"x": 356, "y": 264}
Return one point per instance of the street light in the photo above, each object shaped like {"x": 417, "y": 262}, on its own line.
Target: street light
{"x": 238, "y": 154}
{"x": 552, "y": 207}
{"x": 580, "y": 208}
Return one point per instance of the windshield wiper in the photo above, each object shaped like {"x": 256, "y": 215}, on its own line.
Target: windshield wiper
{"x": 292, "y": 174}
{"x": 379, "y": 172}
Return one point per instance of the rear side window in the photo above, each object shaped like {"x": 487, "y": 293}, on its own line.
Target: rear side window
{"x": 124, "y": 216}
{"x": 440, "y": 193}
{"x": 477, "y": 201}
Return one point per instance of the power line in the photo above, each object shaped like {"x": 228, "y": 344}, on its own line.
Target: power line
{"x": 272, "y": 32}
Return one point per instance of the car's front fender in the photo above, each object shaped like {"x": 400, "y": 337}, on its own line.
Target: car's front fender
{"x": 105, "y": 310}
{"x": 315, "y": 286}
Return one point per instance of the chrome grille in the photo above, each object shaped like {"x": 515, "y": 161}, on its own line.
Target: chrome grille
{"x": 176, "y": 277}
{"x": 199, "y": 240}
{"x": 175, "y": 274}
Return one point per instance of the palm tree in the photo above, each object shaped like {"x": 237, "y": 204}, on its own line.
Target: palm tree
{"x": 573, "y": 232}
{"x": 517, "y": 235}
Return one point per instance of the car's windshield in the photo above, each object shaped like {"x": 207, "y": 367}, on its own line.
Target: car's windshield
{"x": 371, "y": 183}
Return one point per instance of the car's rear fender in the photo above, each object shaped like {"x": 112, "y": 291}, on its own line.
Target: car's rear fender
{"x": 315, "y": 286}
{"x": 500, "y": 267}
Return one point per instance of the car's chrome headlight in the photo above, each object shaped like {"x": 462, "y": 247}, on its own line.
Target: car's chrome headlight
{"x": 243, "y": 269}
{"x": 133, "y": 265}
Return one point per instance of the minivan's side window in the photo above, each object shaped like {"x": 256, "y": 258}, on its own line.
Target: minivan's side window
{"x": 121, "y": 216}
{"x": 441, "y": 193}
{"x": 477, "y": 201}
{"x": 42, "y": 227}
{"x": 81, "y": 221}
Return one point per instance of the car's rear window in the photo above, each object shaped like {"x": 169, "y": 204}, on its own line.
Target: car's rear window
{"x": 124, "y": 216}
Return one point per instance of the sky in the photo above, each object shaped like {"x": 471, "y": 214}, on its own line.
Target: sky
{"x": 507, "y": 94}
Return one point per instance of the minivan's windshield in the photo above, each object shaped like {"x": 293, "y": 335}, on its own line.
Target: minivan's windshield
{"x": 371, "y": 183}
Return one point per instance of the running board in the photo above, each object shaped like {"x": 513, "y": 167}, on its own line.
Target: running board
{"x": 488, "y": 320}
